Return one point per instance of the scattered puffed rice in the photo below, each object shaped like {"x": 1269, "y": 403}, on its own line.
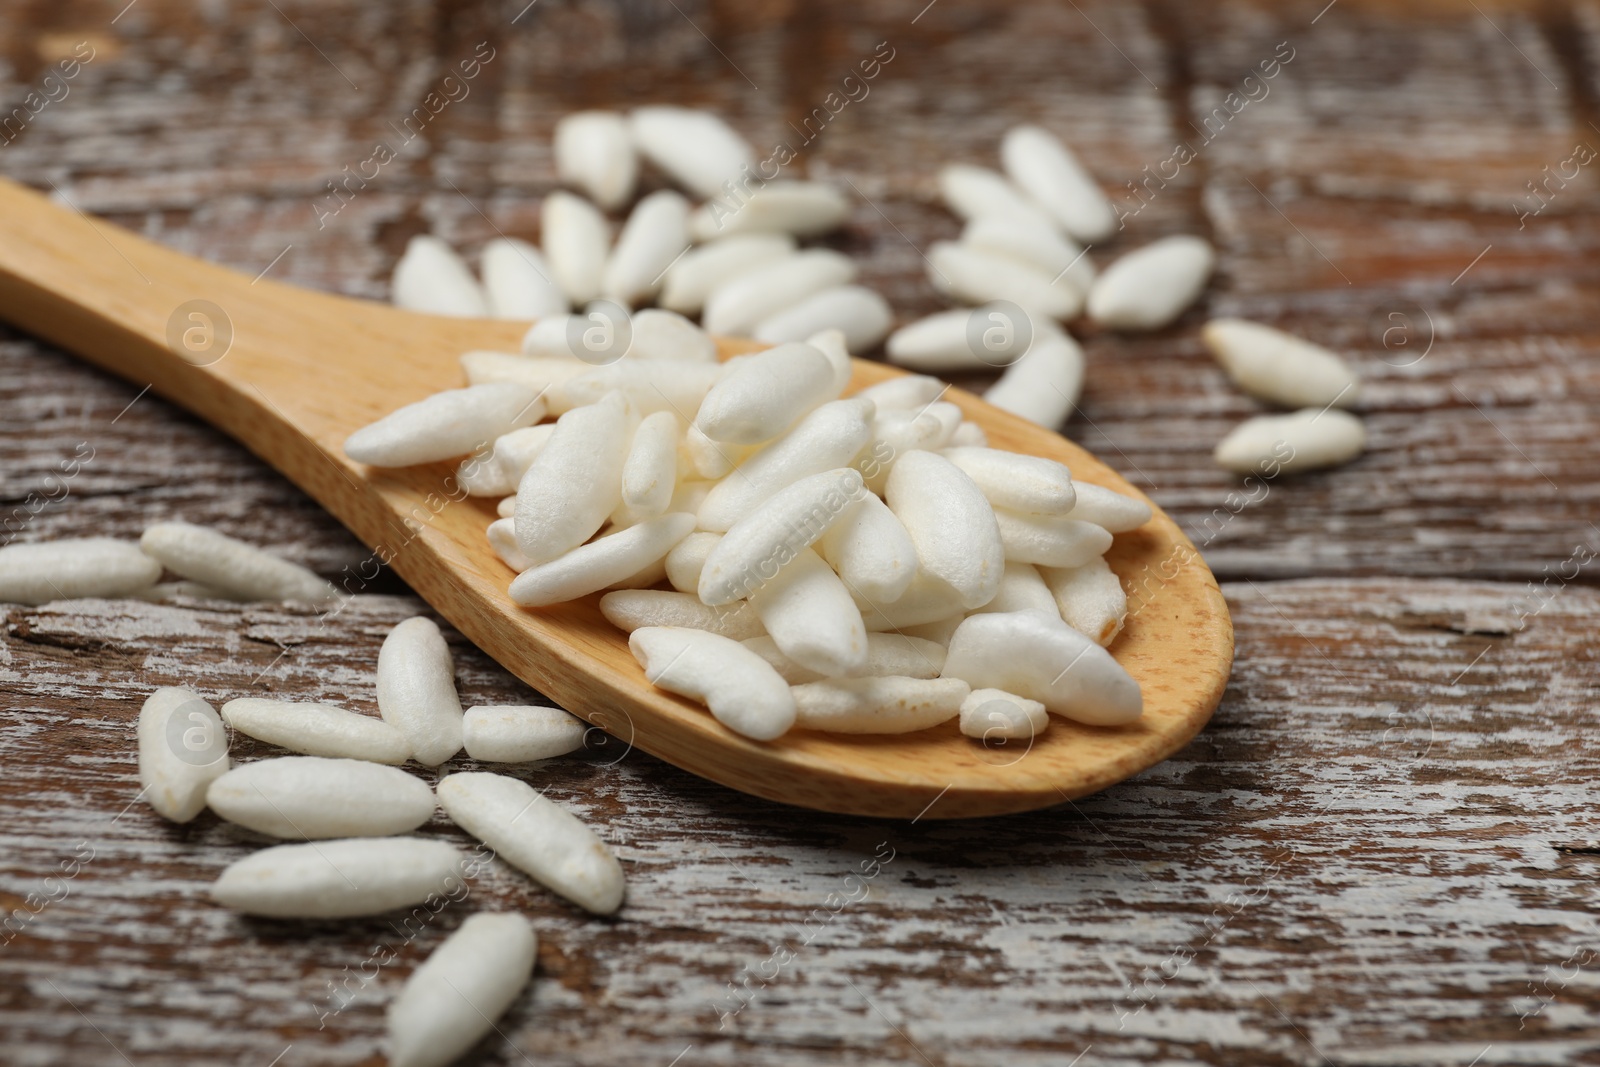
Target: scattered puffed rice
{"x": 505, "y": 733}
{"x": 430, "y": 277}
{"x": 777, "y": 511}
{"x": 309, "y": 797}
{"x": 737, "y": 305}
{"x": 1300, "y": 441}
{"x": 1043, "y": 386}
{"x": 74, "y": 568}
{"x": 1151, "y": 286}
{"x": 594, "y": 151}
{"x": 977, "y": 275}
{"x": 417, "y": 690}
{"x": 576, "y": 243}
{"x": 183, "y": 748}
{"x": 231, "y": 566}
{"x": 518, "y": 283}
{"x": 861, "y": 314}
{"x": 1048, "y": 171}
{"x": 979, "y": 192}
{"x": 803, "y": 209}
{"x": 452, "y": 1001}
{"x": 340, "y": 879}
{"x": 697, "y": 149}
{"x": 703, "y": 270}
{"x": 317, "y": 730}
{"x": 1044, "y": 249}
{"x": 655, "y": 235}
{"x": 1278, "y": 366}
{"x": 537, "y": 836}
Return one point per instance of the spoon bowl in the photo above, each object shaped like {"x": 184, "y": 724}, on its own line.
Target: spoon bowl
{"x": 290, "y": 373}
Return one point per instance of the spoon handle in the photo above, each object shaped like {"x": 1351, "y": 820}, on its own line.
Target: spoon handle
{"x": 109, "y": 296}
{"x": 287, "y": 371}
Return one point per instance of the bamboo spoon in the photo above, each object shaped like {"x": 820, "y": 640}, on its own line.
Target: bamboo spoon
{"x": 290, "y": 373}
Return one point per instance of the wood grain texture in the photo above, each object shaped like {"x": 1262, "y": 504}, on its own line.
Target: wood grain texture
{"x": 1366, "y": 838}
{"x": 1395, "y": 901}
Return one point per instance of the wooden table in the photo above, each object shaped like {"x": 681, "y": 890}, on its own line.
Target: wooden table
{"x": 1380, "y": 850}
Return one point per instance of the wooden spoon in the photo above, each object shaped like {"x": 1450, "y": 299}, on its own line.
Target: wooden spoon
{"x": 290, "y": 373}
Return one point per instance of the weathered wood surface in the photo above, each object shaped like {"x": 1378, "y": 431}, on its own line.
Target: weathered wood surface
{"x": 1390, "y": 792}
{"x": 1367, "y": 840}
